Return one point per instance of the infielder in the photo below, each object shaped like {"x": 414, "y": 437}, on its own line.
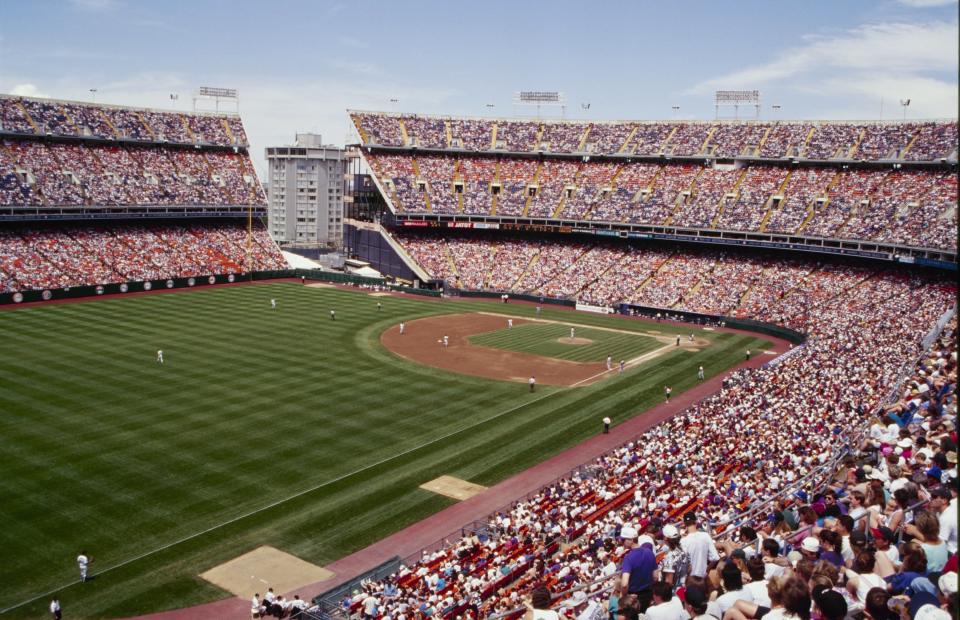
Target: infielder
{"x": 532, "y": 382}
{"x": 623, "y": 365}
{"x": 509, "y": 323}
{"x": 402, "y": 327}
{"x": 159, "y": 356}
{"x": 609, "y": 362}
{"x": 573, "y": 333}
{"x": 446, "y": 341}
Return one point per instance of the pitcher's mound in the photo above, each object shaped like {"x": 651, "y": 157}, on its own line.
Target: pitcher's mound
{"x": 453, "y": 487}
{"x": 568, "y": 340}
{"x": 262, "y": 568}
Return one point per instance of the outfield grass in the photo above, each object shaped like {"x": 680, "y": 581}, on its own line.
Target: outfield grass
{"x": 544, "y": 339}
{"x": 276, "y": 427}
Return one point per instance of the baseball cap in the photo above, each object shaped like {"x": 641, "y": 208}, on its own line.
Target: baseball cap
{"x": 811, "y": 544}
{"x": 934, "y": 472}
{"x": 883, "y": 532}
{"x": 690, "y": 517}
{"x": 858, "y": 538}
{"x": 941, "y": 492}
{"x": 628, "y": 531}
{"x": 645, "y": 540}
{"x": 947, "y": 583}
{"x": 832, "y": 605}
{"x": 671, "y": 531}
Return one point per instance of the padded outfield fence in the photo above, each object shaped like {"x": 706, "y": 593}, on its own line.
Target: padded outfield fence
{"x": 140, "y": 286}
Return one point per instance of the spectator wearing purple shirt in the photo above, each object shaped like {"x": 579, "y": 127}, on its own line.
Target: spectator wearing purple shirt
{"x": 638, "y": 566}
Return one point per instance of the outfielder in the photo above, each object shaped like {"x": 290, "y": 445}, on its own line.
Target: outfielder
{"x": 159, "y": 356}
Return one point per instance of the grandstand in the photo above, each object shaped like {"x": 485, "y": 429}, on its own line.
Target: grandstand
{"x": 174, "y": 196}
{"x": 824, "y": 186}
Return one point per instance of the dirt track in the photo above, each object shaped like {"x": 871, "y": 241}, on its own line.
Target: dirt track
{"x": 420, "y": 343}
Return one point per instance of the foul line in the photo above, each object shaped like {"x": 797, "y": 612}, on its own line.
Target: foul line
{"x": 632, "y": 362}
{"x": 284, "y": 500}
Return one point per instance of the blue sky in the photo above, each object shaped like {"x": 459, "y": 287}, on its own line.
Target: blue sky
{"x": 299, "y": 65}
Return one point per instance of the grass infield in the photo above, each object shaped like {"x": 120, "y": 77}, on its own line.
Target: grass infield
{"x": 263, "y": 427}
{"x": 545, "y": 339}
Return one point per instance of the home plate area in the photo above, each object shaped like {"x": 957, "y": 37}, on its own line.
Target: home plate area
{"x": 262, "y": 568}
{"x": 453, "y": 487}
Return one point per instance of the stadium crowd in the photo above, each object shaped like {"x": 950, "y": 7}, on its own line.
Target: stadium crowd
{"x": 717, "y": 512}
{"x": 909, "y": 141}
{"x": 47, "y": 117}
{"x": 33, "y": 258}
{"x": 814, "y": 201}
{"x": 70, "y": 173}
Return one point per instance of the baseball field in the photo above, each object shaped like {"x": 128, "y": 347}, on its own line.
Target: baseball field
{"x": 283, "y": 427}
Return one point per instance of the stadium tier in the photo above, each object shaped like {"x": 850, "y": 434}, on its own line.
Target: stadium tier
{"x": 737, "y": 462}
{"x": 35, "y": 258}
{"x": 629, "y": 175}
{"x": 860, "y": 141}
{"x": 49, "y": 117}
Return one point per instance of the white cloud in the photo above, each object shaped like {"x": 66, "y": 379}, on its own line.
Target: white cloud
{"x": 925, "y": 4}
{"x": 862, "y": 65}
{"x": 890, "y": 47}
{"x": 27, "y": 90}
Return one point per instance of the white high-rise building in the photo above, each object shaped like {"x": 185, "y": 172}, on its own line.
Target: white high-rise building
{"x": 305, "y": 198}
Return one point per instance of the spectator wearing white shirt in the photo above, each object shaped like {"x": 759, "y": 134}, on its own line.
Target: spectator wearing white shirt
{"x": 758, "y": 583}
{"x": 733, "y": 587}
{"x": 665, "y": 605}
{"x": 699, "y": 547}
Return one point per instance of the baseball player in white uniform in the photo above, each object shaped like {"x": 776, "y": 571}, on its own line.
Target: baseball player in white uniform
{"x": 159, "y": 356}
{"x": 402, "y": 327}
{"x": 273, "y": 304}
{"x": 82, "y": 562}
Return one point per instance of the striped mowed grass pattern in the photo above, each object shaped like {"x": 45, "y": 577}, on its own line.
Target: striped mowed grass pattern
{"x": 545, "y": 339}
{"x": 277, "y": 427}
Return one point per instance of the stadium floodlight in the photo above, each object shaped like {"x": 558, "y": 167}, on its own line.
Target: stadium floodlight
{"x": 540, "y": 98}
{"x": 585, "y": 106}
{"x": 735, "y": 99}
{"x": 93, "y": 95}
{"x": 904, "y": 103}
{"x": 206, "y": 93}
